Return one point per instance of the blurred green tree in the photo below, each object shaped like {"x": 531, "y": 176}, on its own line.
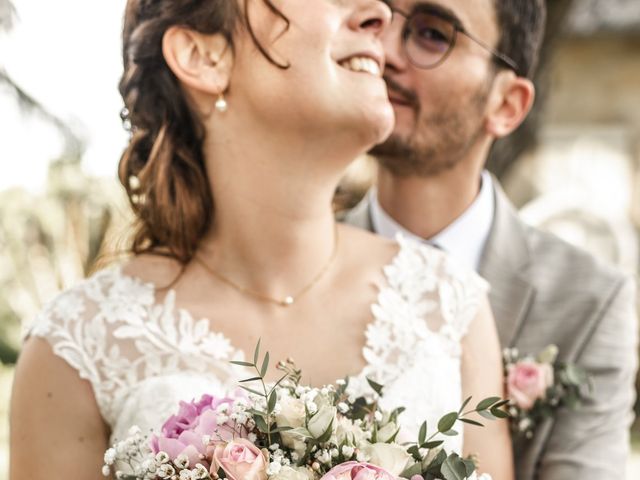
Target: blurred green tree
{"x": 49, "y": 241}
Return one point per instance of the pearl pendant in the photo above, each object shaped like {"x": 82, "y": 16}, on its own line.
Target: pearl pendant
{"x": 221, "y": 104}
{"x": 288, "y": 301}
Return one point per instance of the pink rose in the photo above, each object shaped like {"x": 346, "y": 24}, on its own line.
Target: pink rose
{"x": 182, "y": 433}
{"x": 240, "y": 459}
{"x": 357, "y": 471}
{"x": 527, "y": 381}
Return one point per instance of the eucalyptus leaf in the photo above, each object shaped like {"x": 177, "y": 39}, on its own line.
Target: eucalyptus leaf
{"x": 453, "y": 468}
{"x": 487, "y": 402}
{"x": 471, "y": 422}
{"x": 447, "y": 422}
{"x": 273, "y": 398}
{"x": 422, "y": 436}
{"x": 464, "y": 404}
{"x": 251, "y": 390}
{"x": 265, "y": 365}
{"x": 415, "y": 469}
{"x": 376, "y": 386}
{"x": 261, "y": 423}
{"x": 486, "y": 414}
{"x": 470, "y": 466}
{"x": 256, "y": 352}
{"x": 242, "y": 364}
{"x": 252, "y": 379}
{"x": 496, "y": 412}
{"x": 433, "y": 444}
{"x": 414, "y": 451}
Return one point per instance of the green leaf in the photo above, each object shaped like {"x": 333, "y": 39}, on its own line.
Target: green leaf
{"x": 414, "y": 451}
{"x": 422, "y": 436}
{"x": 376, "y": 386}
{"x": 261, "y": 424}
{"x": 434, "y": 466}
{"x": 265, "y": 365}
{"x": 486, "y": 414}
{"x": 256, "y": 352}
{"x": 487, "y": 402}
{"x": 471, "y": 422}
{"x": 327, "y": 433}
{"x": 394, "y": 415}
{"x": 450, "y": 433}
{"x": 279, "y": 381}
{"x": 496, "y": 412}
{"x": 273, "y": 398}
{"x": 453, "y": 468}
{"x": 251, "y": 390}
{"x": 242, "y": 364}
{"x": 447, "y": 422}
{"x": 415, "y": 469}
{"x": 470, "y": 466}
{"x": 430, "y": 445}
{"x": 464, "y": 404}
{"x": 501, "y": 403}
{"x": 253, "y": 379}
{"x": 253, "y": 411}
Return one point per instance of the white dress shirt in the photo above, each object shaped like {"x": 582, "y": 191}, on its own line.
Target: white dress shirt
{"x": 464, "y": 238}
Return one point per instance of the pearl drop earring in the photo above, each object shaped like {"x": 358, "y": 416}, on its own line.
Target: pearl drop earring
{"x": 221, "y": 104}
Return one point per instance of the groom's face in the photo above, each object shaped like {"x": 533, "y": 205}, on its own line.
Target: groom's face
{"x": 440, "y": 111}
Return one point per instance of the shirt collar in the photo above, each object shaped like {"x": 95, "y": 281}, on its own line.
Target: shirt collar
{"x": 464, "y": 238}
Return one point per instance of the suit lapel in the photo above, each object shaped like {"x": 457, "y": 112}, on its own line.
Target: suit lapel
{"x": 504, "y": 264}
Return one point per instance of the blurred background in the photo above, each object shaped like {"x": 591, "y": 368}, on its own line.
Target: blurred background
{"x": 572, "y": 169}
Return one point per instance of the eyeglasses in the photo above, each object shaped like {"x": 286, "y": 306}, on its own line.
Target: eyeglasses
{"x": 429, "y": 36}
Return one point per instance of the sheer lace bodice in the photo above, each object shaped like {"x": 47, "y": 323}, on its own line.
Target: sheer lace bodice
{"x": 141, "y": 357}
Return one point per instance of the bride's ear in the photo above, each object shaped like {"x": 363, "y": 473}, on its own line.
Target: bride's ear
{"x": 202, "y": 63}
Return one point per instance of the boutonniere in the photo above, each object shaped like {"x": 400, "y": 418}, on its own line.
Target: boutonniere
{"x": 539, "y": 385}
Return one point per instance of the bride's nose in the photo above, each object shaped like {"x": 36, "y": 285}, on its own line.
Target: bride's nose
{"x": 370, "y": 15}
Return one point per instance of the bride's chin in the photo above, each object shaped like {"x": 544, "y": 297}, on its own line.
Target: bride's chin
{"x": 379, "y": 124}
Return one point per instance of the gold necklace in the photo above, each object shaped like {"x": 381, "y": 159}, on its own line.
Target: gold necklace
{"x": 289, "y": 299}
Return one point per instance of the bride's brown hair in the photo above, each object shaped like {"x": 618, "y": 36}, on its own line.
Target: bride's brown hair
{"x": 163, "y": 168}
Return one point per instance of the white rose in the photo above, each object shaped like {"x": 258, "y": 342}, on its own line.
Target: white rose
{"x": 349, "y": 433}
{"x": 387, "y": 432}
{"x": 293, "y": 473}
{"x": 390, "y": 456}
{"x": 321, "y": 421}
{"x": 291, "y": 413}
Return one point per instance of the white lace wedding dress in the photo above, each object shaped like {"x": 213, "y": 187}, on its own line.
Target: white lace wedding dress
{"x": 142, "y": 357}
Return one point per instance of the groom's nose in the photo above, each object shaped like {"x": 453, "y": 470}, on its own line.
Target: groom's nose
{"x": 396, "y": 59}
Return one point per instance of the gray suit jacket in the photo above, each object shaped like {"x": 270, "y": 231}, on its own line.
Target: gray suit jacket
{"x": 545, "y": 291}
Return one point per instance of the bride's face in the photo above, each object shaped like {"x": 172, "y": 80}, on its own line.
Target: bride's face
{"x": 333, "y": 82}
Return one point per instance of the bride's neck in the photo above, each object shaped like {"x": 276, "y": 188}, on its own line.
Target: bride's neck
{"x": 273, "y": 222}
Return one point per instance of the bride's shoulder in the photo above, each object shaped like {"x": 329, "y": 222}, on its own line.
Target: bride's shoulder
{"x": 127, "y": 284}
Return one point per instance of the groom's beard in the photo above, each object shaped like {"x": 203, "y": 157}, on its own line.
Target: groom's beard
{"x": 444, "y": 132}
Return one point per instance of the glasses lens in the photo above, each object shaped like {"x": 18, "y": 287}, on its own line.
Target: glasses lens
{"x": 428, "y": 38}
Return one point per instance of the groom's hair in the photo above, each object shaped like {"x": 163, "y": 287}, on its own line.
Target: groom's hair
{"x": 521, "y": 24}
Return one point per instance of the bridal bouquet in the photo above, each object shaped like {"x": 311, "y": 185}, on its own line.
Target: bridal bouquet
{"x": 290, "y": 431}
{"x": 538, "y": 386}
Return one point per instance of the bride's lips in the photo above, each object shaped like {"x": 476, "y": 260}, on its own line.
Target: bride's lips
{"x": 363, "y": 62}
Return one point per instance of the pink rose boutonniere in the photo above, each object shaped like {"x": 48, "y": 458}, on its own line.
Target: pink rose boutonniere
{"x": 538, "y": 386}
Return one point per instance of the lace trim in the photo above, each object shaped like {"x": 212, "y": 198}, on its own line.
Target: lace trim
{"x": 421, "y": 314}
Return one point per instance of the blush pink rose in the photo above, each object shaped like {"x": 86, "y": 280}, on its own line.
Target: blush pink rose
{"x": 527, "y": 381}
{"x": 357, "y": 471}
{"x": 240, "y": 459}
{"x": 182, "y": 433}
